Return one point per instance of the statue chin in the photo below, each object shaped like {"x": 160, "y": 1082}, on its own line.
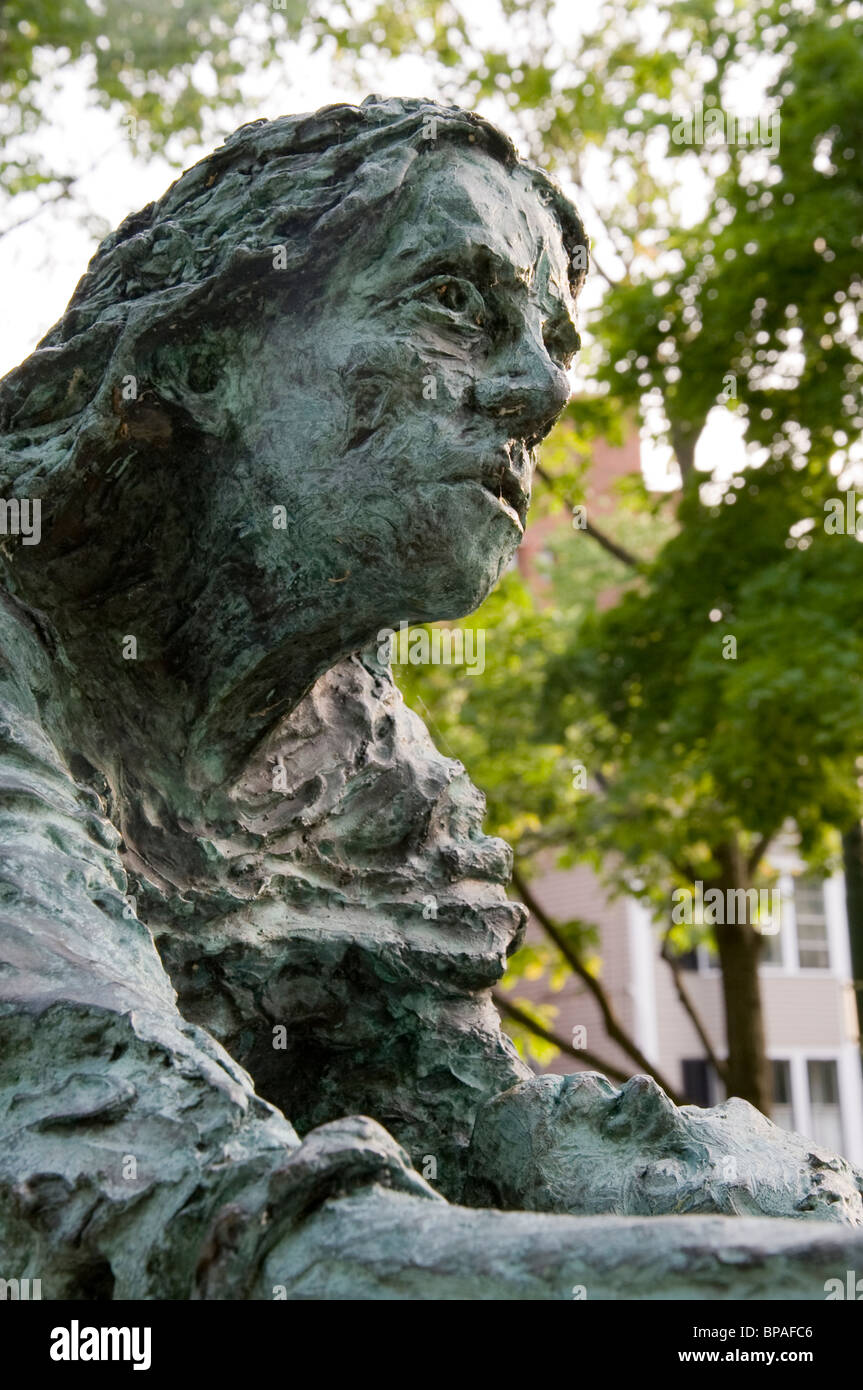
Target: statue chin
{"x": 457, "y": 550}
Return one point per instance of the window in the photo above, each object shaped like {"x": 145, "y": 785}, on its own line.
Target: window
{"x": 688, "y": 960}
{"x": 806, "y": 1098}
{"x": 813, "y": 951}
{"x": 826, "y": 1124}
{"x": 783, "y": 1110}
{"x": 697, "y": 1081}
{"x": 771, "y": 948}
{"x": 771, "y": 901}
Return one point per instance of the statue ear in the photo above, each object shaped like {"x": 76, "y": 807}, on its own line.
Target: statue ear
{"x": 187, "y": 368}
{"x": 204, "y": 364}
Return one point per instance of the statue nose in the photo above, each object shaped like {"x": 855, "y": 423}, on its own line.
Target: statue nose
{"x": 524, "y": 386}
{"x": 643, "y": 1108}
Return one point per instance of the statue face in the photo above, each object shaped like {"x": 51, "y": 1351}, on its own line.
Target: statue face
{"x": 395, "y": 406}
{"x": 580, "y": 1144}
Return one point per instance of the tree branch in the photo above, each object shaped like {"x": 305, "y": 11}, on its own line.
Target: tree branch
{"x": 613, "y": 1027}
{"x": 585, "y": 196}
{"x": 618, "y": 551}
{"x": 580, "y": 1053}
{"x": 604, "y": 273}
{"x": 63, "y": 192}
{"x": 689, "y": 1008}
{"x": 758, "y": 854}
{"x": 67, "y": 183}
{"x": 684, "y": 449}
{"x": 613, "y": 547}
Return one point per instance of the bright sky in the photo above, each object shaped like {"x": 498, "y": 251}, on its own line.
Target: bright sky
{"x": 42, "y": 261}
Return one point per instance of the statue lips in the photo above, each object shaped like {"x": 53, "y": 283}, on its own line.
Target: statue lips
{"x": 504, "y": 486}
{"x": 503, "y": 482}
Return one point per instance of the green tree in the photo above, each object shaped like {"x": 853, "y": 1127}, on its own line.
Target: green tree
{"x": 166, "y": 67}
{"x": 721, "y": 697}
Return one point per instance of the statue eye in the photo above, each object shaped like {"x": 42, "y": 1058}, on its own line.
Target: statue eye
{"x": 457, "y": 297}
{"x": 562, "y": 346}
{"x": 453, "y": 296}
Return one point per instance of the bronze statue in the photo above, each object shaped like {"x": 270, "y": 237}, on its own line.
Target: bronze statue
{"x": 291, "y": 404}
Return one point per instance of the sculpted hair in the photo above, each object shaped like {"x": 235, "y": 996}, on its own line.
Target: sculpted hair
{"x": 166, "y": 288}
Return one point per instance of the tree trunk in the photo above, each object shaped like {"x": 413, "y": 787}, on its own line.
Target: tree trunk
{"x": 740, "y": 947}
{"x": 852, "y": 853}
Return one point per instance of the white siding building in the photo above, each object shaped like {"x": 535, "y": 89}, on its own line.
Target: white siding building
{"x": 810, "y": 1015}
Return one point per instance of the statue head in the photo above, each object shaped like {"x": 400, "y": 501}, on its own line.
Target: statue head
{"x": 579, "y": 1144}
{"x": 295, "y": 401}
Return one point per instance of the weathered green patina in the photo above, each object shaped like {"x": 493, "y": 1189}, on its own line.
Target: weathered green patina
{"x": 292, "y": 404}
